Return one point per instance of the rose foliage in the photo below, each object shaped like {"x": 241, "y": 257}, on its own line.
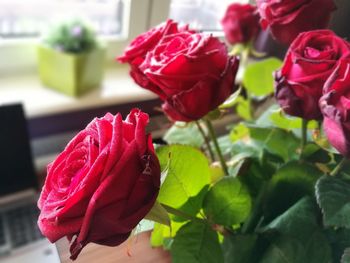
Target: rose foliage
{"x": 273, "y": 188}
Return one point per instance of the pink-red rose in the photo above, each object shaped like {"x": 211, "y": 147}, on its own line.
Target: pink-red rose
{"x": 135, "y": 53}
{"x": 287, "y": 18}
{"x": 103, "y": 183}
{"x": 192, "y": 72}
{"x": 309, "y": 62}
{"x": 240, "y": 23}
{"x": 145, "y": 42}
{"x": 335, "y": 106}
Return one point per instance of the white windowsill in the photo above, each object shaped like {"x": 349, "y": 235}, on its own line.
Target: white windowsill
{"x": 117, "y": 88}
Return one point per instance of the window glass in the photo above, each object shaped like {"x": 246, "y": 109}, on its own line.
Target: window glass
{"x": 30, "y": 18}
{"x": 200, "y": 14}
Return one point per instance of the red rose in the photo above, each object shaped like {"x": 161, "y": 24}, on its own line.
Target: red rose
{"x": 103, "y": 183}
{"x": 145, "y": 42}
{"x": 309, "y": 62}
{"x": 335, "y": 106}
{"x": 240, "y": 23}
{"x": 287, "y": 18}
{"x": 135, "y": 53}
{"x": 193, "y": 73}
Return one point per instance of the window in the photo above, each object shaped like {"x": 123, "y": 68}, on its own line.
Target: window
{"x": 20, "y": 19}
{"x": 200, "y": 14}
{"x": 117, "y": 21}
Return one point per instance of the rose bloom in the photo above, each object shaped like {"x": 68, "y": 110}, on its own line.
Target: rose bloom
{"x": 335, "y": 106}
{"x": 287, "y": 18}
{"x": 240, "y": 23}
{"x": 192, "y": 72}
{"x": 309, "y": 62}
{"x": 135, "y": 53}
{"x": 102, "y": 185}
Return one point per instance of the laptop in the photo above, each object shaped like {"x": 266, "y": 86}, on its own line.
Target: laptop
{"x": 20, "y": 238}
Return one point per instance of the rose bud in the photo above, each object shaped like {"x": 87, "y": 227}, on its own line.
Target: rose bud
{"x": 309, "y": 62}
{"x": 193, "y": 73}
{"x": 335, "y": 106}
{"x": 240, "y": 23}
{"x": 102, "y": 185}
{"x": 135, "y": 53}
{"x": 287, "y": 18}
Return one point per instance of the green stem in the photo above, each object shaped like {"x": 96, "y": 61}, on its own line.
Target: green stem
{"x": 216, "y": 145}
{"x": 337, "y": 169}
{"x": 184, "y": 215}
{"x": 254, "y": 217}
{"x": 206, "y": 140}
{"x": 303, "y": 136}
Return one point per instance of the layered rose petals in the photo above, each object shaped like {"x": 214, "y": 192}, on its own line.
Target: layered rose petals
{"x": 103, "y": 183}
{"x": 287, "y": 18}
{"x": 190, "y": 72}
{"x": 335, "y": 106}
{"x": 193, "y": 72}
{"x": 240, "y": 23}
{"x": 309, "y": 62}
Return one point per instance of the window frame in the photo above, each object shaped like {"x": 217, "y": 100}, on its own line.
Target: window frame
{"x": 18, "y": 56}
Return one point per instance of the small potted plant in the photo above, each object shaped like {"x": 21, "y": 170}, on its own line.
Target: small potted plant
{"x": 70, "y": 59}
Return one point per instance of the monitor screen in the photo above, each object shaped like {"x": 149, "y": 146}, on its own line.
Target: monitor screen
{"x": 16, "y": 167}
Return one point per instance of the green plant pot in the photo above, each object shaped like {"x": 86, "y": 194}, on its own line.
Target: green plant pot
{"x": 71, "y": 74}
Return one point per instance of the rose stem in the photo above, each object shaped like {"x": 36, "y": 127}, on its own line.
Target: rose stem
{"x": 184, "y": 215}
{"x": 303, "y": 135}
{"x": 217, "y": 147}
{"x": 340, "y": 165}
{"x": 207, "y": 142}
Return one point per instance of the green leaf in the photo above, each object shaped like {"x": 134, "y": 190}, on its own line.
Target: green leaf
{"x": 237, "y": 163}
{"x": 321, "y": 140}
{"x": 239, "y": 131}
{"x": 241, "y": 248}
{"x": 299, "y": 238}
{"x": 184, "y": 133}
{"x": 231, "y": 101}
{"x": 161, "y": 233}
{"x": 299, "y": 221}
{"x": 243, "y": 108}
{"x": 291, "y": 182}
{"x": 346, "y": 256}
{"x": 333, "y": 196}
{"x": 284, "y": 250}
{"x": 196, "y": 243}
{"x": 258, "y": 77}
{"x": 274, "y": 116}
{"x": 216, "y": 172}
{"x": 158, "y": 214}
{"x": 276, "y": 141}
{"x": 225, "y": 144}
{"x": 255, "y": 176}
{"x": 228, "y": 202}
{"x": 339, "y": 240}
{"x": 188, "y": 177}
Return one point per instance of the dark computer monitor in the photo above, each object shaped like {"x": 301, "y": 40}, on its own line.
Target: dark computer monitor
{"x": 16, "y": 166}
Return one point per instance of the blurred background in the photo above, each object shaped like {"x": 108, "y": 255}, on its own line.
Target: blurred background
{"x": 48, "y": 117}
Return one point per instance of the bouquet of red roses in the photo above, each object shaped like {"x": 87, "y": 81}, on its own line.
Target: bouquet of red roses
{"x": 275, "y": 188}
